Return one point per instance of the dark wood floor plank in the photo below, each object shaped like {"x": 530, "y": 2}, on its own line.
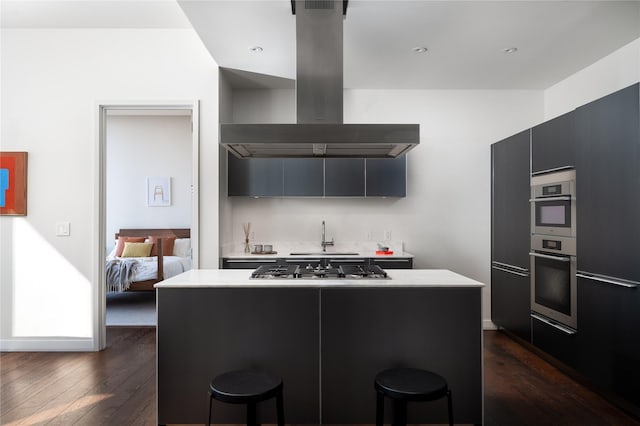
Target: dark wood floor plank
{"x": 117, "y": 386}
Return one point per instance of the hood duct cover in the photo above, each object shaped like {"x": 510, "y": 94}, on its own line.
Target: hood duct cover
{"x": 319, "y": 131}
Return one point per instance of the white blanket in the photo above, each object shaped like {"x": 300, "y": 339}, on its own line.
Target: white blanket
{"x": 142, "y": 269}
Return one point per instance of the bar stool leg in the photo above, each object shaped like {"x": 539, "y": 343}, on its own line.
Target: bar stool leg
{"x": 251, "y": 414}
{"x": 399, "y": 413}
{"x": 210, "y": 402}
{"x": 379, "y": 409}
{"x": 280, "y": 408}
{"x": 450, "y": 404}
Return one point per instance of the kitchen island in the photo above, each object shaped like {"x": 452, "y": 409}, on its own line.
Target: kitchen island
{"x": 327, "y": 339}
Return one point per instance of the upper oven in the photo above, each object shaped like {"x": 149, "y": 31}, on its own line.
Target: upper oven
{"x": 553, "y": 203}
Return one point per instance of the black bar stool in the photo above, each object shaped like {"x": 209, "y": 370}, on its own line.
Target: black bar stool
{"x": 247, "y": 387}
{"x": 404, "y": 385}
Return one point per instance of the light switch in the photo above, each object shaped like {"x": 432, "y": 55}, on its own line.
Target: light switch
{"x": 63, "y": 229}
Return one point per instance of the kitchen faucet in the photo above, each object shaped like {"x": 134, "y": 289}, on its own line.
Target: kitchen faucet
{"x": 325, "y": 243}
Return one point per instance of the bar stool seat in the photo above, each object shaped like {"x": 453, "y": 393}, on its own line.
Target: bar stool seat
{"x": 247, "y": 387}
{"x": 404, "y": 385}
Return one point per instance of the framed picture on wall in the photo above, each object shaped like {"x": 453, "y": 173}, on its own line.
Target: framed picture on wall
{"x": 13, "y": 183}
{"x": 158, "y": 191}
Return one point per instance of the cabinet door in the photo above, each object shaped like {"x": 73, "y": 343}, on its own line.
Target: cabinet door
{"x": 303, "y": 177}
{"x": 609, "y": 347}
{"x": 256, "y": 177}
{"x": 344, "y": 177}
{"x": 511, "y": 210}
{"x": 386, "y": 177}
{"x": 511, "y": 301}
{"x": 553, "y": 143}
{"x": 608, "y": 185}
{"x": 252, "y": 263}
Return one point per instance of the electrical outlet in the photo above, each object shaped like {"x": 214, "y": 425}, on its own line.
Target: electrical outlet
{"x": 387, "y": 235}
{"x": 253, "y": 236}
{"x": 369, "y": 236}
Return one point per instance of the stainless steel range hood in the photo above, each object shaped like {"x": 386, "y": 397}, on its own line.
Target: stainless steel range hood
{"x": 319, "y": 131}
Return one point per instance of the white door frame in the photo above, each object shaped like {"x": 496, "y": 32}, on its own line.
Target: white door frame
{"x": 99, "y": 217}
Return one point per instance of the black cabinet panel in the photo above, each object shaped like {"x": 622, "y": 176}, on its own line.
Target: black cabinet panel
{"x": 555, "y": 342}
{"x": 608, "y": 185}
{"x": 511, "y": 302}
{"x": 553, "y": 143}
{"x": 609, "y": 352}
{"x": 386, "y": 177}
{"x": 344, "y": 177}
{"x": 303, "y": 177}
{"x": 254, "y": 177}
{"x": 511, "y": 209}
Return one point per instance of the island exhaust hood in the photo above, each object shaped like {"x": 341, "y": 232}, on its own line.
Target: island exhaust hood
{"x": 319, "y": 131}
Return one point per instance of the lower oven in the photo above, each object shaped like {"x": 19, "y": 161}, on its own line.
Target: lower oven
{"x": 553, "y": 281}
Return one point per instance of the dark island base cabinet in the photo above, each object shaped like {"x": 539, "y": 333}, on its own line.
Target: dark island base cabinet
{"x": 332, "y": 341}
{"x": 253, "y": 262}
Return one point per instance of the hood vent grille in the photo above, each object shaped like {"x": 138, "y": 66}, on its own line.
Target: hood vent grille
{"x": 319, "y": 131}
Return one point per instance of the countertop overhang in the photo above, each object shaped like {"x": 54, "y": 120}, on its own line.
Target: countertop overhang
{"x": 241, "y": 278}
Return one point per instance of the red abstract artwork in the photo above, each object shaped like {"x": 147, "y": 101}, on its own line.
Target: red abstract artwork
{"x": 13, "y": 183}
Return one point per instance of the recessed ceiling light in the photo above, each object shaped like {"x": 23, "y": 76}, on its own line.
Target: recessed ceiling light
{"x": 420, "y": 49}
{"x": 510, "y": 50}
{"x": 256, "y": 49}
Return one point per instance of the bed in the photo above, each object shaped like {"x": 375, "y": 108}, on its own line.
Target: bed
{"x": 143, "y": 257}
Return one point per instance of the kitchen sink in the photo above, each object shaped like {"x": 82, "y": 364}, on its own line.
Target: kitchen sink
{"x": 333, "y": 253}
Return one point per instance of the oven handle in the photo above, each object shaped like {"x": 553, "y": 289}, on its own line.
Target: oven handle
{"x": 564, "y": 198}
{"x": 605, "y": 279}
{"x": 548, "y": 256}
{"x": 553, "y": 324}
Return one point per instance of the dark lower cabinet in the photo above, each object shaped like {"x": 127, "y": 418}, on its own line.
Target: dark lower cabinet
{"x": 254, "y": 262}
{"x": 609, "y": 346}
{"x": 554, "y": 341}
{"x": 395, "y": 263}
{"x": 511, "y": 301}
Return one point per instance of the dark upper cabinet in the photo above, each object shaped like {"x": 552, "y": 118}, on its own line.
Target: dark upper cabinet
{"x": 608, "y": 185}
{"x": 553, "y": 144}
{"x": 386, "y": 177}
{"x": 303, "y": 177}
{"x": 510, "y": 227}
{"x": 344, "y": 177}
{"x": 511, "y": 209}
{"x": 258, "y": 177}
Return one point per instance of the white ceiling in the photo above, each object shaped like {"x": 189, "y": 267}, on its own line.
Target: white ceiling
{"x": 465, "y": 38}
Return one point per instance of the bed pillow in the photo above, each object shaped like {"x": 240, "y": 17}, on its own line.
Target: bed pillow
{"x": 122, "y": 240}
{"x": 136, "y": 249}
{"x": 167, "y": 245}
{"x": 182, "y": 247}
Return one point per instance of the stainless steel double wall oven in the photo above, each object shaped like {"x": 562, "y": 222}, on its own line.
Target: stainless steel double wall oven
{"x": 553, "y": 249}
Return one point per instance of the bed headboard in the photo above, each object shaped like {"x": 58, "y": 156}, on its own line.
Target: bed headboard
{"x": 156, "y": 232}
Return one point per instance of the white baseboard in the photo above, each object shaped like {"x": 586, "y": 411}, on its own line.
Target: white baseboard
{"x": 488, "y": 325}
{"x": 47, "y": 345}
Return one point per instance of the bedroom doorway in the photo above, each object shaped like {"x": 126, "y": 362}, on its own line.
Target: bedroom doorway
{"x": 148, "y": 179}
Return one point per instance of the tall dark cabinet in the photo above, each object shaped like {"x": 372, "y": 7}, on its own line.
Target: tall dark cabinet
{"x": 510, "y": 294}
{"x": 608, "y": 237}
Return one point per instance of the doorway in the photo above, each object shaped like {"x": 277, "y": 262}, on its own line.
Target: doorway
{"x": 141, "y": 143}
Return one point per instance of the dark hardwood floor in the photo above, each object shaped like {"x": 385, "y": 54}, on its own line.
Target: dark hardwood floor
{"x": 117, "y": 386}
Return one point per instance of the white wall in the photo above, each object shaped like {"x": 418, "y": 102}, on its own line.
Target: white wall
{"x": 445, "y": 218}
{"x": 52, "y": 81}
{"x": 611, "y": 73}
{"x": 141, "y": 146}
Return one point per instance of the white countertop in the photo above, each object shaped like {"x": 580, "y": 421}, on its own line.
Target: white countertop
{"x": 240, "y": 278}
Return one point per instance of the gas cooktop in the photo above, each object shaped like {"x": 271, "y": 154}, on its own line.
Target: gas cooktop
{"x": 309, "y": 271}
